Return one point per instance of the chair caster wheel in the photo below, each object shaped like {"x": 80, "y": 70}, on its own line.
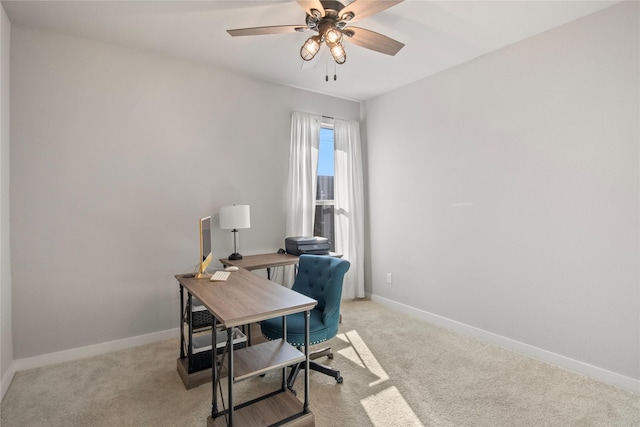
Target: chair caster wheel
{"x": 330, "y": 355}
{"x": 339, "y": 380}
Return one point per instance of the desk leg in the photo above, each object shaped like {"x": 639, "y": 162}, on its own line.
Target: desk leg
{"x": 190, "y": 338}
{"x": 284, "y": 338}
{"x": 182, "y": 355}
{"x": 230, "y": 374}
{"x": 305, "y": 408}
{"x": 214, "y": 367}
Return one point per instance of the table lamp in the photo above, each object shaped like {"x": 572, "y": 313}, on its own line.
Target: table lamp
{"x": 232, "y": 218}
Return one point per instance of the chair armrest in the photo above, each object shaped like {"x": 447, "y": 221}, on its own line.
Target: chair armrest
{"x": 328, "y": 314}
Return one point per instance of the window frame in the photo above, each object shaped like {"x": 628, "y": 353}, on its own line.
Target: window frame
{"x": 324, "y": 202}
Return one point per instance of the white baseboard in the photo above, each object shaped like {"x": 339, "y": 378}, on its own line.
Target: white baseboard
{"x": 599, "y": 374}
{"x": 93, "y": 350}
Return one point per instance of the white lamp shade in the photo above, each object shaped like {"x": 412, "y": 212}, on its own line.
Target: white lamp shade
{"x": 235, "y": 217}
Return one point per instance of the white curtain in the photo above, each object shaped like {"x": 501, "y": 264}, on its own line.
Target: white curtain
{"x": 303, "y": 170}
{"x": 349, "y": 204}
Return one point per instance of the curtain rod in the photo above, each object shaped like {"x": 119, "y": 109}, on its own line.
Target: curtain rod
{"x": 322, "y": 115}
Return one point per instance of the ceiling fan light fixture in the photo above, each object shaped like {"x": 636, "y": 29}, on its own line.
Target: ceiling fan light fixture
{"x": 332, "y": 36}
{"x": 338, "y": 52}
{"x": 310, "y": 48}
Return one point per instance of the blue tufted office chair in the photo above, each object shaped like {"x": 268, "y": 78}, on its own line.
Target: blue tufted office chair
{"x": 319, "y": 277}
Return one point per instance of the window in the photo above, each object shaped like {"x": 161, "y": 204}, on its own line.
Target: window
{"x": 323, "y": 224}
{"x": 338, "y": 211}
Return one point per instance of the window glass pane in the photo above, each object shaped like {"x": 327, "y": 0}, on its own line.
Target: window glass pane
{"x": 324, "y": 216}
{"x": 323, "y": 225}
{"x": 325, "y": 153}
{"x": 325, "y": 165}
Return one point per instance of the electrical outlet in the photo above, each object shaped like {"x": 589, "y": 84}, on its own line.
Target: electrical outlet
{"x": 389, "y": 278}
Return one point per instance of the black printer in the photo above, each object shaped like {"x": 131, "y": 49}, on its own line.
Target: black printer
{"x": 307, "y": 245}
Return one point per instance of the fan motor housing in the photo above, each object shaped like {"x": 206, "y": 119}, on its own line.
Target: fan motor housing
{"x": 331, "y": 8}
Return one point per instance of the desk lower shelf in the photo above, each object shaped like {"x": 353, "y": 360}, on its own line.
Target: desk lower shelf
{"x": 269, "y": 411}
{"x": 247, "y": 362}
{"x": 194, "y": 379}
{"x": 261, "y": 358}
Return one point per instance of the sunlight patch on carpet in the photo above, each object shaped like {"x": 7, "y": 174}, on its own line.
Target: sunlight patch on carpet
{"x": 360, "y": 354}
{"x": 388, "y": 408}
{"x": 350, "y": 353}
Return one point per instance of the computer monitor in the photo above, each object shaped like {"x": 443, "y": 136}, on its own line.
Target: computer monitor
{"x": 206, "y": 254}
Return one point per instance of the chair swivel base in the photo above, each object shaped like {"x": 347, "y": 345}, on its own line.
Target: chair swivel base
{"x": 321, "y": 352}
{"x": 314, "y": 366}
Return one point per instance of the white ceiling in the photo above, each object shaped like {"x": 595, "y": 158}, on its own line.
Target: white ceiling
{"x": 437, "y": 34}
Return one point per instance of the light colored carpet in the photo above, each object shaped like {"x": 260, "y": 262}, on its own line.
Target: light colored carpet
{"x": 398, "y": 371}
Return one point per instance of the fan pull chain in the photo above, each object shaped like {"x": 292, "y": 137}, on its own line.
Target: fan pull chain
{"x": 326, "y": 70}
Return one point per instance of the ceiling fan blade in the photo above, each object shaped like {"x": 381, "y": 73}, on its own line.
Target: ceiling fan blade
{"x": 308, "y": 5}
{"x": 259, "y": 31}
{"x": 372, "y": 40}
{"x": 363, "y": 8}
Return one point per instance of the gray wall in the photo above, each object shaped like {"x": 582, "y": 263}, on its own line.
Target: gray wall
{"x": 6, "y": 339}
{"x": 503, "y": 193}
{"x": 115, "y": 155}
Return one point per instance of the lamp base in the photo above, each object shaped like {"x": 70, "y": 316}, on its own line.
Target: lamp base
{"x": 235, "y": 256}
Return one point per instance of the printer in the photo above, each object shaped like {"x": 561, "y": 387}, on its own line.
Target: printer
{"x": 307, "y": 245}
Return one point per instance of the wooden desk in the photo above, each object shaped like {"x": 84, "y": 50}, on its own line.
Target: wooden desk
{"x": 243, "y": 299}
{"x": 258, "y": 262}
{"x": 268, "y": 261}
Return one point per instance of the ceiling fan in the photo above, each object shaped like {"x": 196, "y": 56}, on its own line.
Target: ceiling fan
{"x": 332, "y": 20}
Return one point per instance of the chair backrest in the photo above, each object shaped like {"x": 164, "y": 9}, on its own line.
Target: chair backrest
{"x": 320, "y": 277}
